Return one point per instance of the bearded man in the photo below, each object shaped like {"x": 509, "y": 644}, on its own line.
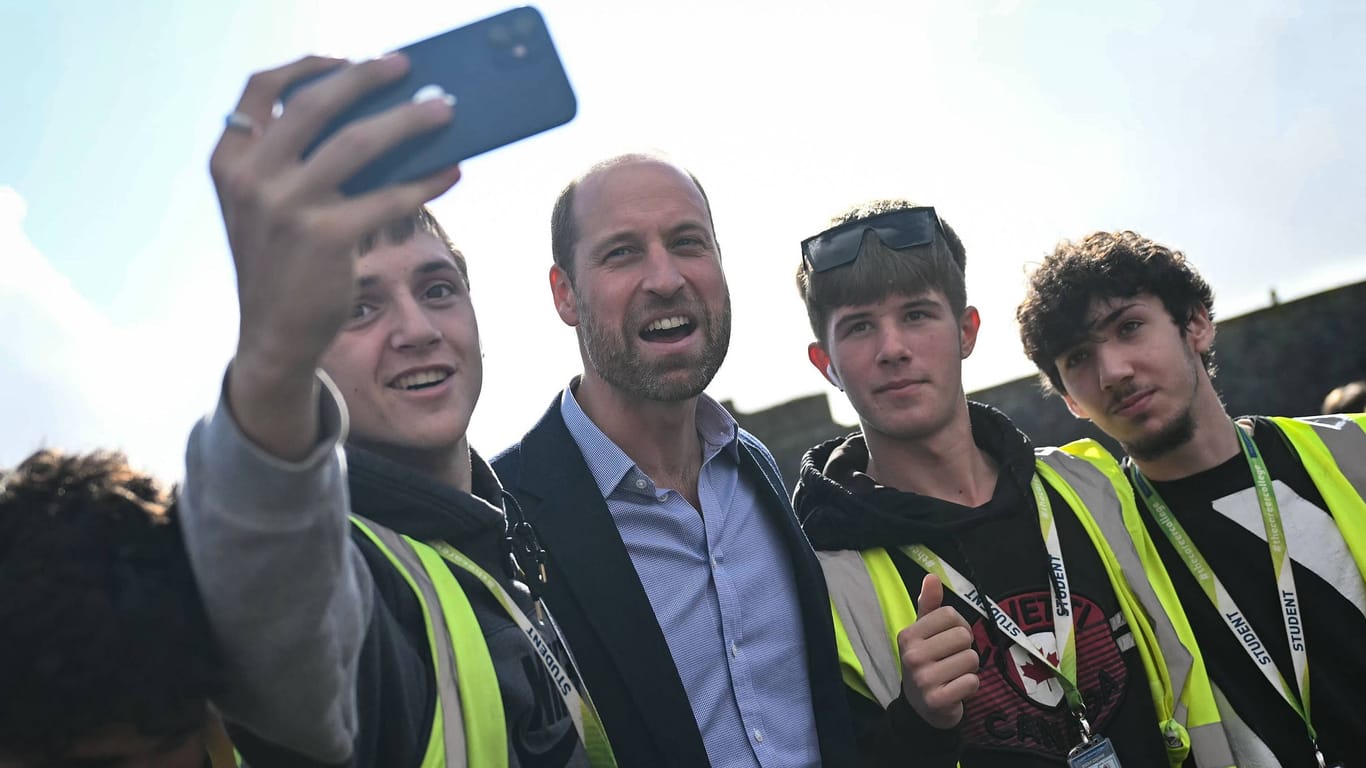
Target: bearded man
{"x": 695, "y": 606}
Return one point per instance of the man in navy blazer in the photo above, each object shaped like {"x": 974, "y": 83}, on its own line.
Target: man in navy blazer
{"x": 675, "y": 568}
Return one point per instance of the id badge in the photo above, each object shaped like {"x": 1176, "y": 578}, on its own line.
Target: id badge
{"x": 1097, "y": 753}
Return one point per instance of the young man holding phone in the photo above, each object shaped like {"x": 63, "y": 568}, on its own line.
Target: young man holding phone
{"x": 349, "y": 545}
{"x": 1254, "y": 528}
{"x": 1024, "y": 646}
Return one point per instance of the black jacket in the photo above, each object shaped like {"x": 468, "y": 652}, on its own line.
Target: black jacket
{"x": 598, "y": 601}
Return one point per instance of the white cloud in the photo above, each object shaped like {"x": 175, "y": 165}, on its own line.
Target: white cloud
{"x": 74, "y": 378}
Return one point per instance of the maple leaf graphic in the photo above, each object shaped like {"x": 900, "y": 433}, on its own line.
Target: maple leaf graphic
{"x": 1037, "y": 670}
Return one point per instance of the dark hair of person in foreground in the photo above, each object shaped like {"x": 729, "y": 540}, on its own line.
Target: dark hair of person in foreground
{"x": 104, "y": 648}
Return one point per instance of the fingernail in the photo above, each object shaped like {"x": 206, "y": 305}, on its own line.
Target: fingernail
{"x": 438, "y": 108}
{"x": 433, "y": 93}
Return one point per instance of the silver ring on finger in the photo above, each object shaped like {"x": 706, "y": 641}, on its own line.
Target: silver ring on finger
{"x": 240, "y": 121}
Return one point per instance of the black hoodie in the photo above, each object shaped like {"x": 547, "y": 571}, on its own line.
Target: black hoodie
{"x": 1017, "y": 718}
{"x": 394, "y": 686}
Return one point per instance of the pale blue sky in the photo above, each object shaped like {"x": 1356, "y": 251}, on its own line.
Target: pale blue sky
{"x": 1230, "y": 130}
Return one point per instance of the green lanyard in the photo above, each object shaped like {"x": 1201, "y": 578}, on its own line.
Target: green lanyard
{"x": 1064, "y": 634}
{"x": 1223, "y": 602}
{"x": 581, "y": 709}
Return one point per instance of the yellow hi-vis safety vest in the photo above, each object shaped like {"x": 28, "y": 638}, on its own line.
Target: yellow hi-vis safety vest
{"x": 476, "y": 736}
{"x": 1332, "y": 450}
{"x": 871, "y": 605}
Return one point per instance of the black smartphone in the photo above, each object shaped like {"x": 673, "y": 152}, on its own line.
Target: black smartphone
{"x": 506, "y": 82}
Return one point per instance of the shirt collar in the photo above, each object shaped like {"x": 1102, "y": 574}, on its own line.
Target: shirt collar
{"x": 717, "y": 429}
{"x": 610, "y": 465}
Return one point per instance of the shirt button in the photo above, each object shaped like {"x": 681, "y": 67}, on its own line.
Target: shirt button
{"x": 735, "y": 652}
{"x": 640, "y": 483}
{"x": 758, "y": 735}
{"x": 715, "y": 563}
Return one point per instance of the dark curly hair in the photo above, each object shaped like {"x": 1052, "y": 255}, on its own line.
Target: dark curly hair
{"x": 879, "y": 271}
{"x": 100, "y": 619}
{"x": 1103, "y": 265}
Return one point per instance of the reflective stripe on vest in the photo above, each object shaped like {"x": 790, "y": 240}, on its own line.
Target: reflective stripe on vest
{"x": 1333, "y": 452}
{"x": 460, "y": 736}
{"x": 870, "y": 606}
{"x": 857, "y": 582}
{"x": 1131, "y": 551}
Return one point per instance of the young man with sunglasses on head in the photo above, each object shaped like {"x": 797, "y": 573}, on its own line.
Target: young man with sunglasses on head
{"x": 1254, "y": 529}
{"x": 981, "y": 616}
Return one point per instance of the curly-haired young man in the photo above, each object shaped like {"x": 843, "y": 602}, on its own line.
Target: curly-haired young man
{"x": 1025, "y": 647}
{"x": 105, "y": 653}
{"x": 1256, "y": 526}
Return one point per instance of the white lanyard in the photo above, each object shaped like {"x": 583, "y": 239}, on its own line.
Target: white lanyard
{"x": 1065, "y": 668}
{"x": 581, "y": 708}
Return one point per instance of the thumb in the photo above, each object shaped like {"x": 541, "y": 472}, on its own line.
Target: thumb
{"x": 931, "y": 594}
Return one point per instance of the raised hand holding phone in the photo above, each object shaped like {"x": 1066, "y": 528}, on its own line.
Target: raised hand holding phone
{"x": 293, "y": 234}
{"x": 502, "y": 74}
{"x": 938, "y": 663}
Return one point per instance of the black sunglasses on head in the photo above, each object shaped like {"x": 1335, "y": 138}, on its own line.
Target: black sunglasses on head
{"x": 839, "y": 245}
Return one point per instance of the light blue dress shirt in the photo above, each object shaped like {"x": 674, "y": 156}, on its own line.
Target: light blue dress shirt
{"x": 721, "y": 586}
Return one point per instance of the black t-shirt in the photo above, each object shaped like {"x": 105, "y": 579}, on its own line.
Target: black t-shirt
{"x": 1219, "y": 510}
{"x": 1018, "y": 717}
